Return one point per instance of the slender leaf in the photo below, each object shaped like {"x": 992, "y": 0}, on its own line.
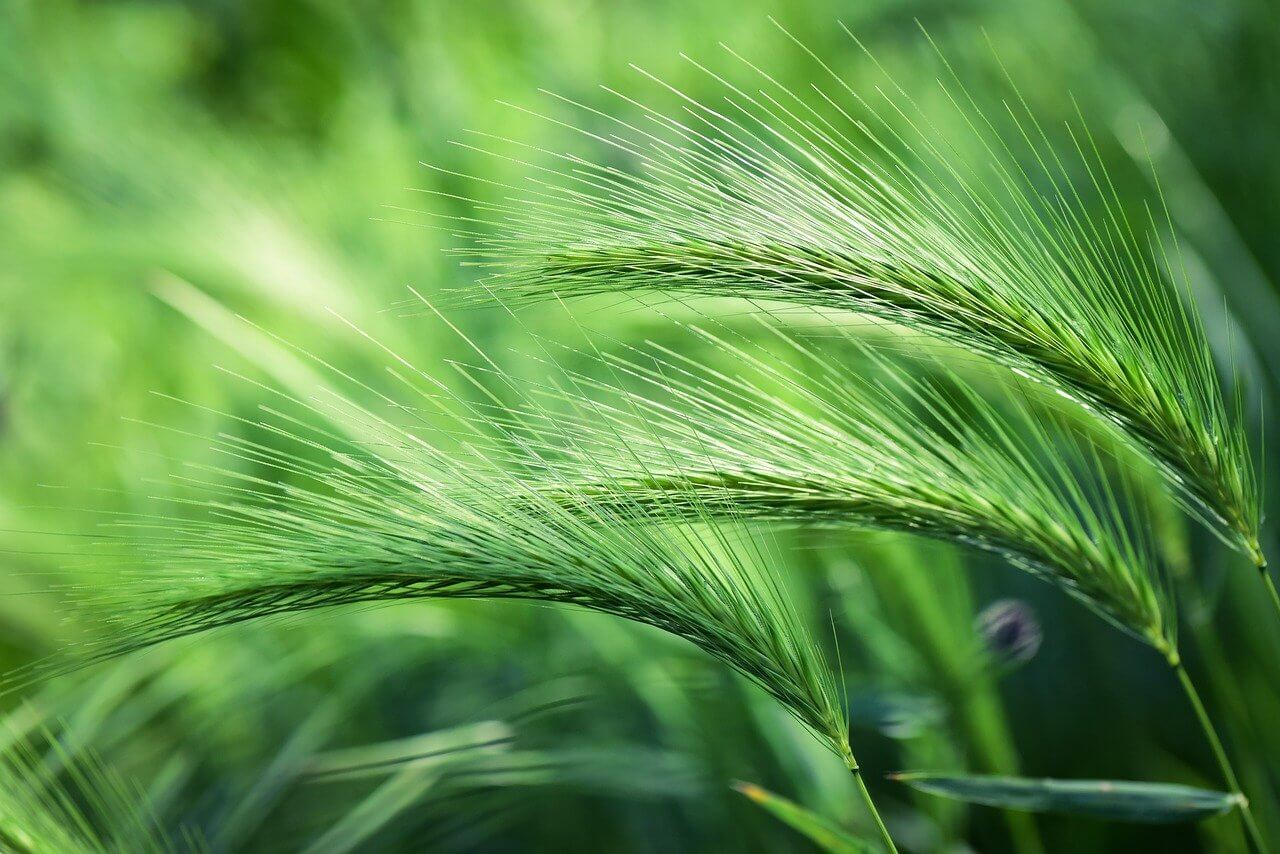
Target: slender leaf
{"x": 1150, "y": 803}
{"x": 823, "y": 832}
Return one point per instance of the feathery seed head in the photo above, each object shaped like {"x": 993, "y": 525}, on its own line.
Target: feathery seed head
{"x": 831, "y": 201}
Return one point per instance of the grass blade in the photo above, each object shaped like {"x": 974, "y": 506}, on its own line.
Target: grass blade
{"x": 1148, "y": 803}
{"x": 824, "y": 834}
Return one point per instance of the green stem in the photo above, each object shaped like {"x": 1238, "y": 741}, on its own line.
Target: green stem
{"x": 1234, "y": 712}
{"x": 1228, "y": 773}
{"x": 871, "y": 806}
{"x": 1271, "y": 587}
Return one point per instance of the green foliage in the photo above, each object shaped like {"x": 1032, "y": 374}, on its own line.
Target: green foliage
{"x": 166, "y": 169}
{"x": 391, "y": 518}
{"x": 56, "y": 802}
{"x": 1153, "y": 803}
{"x": 854, "y": 203}
{"x": 822, "y": 832}
{"x": 817, "y": 442}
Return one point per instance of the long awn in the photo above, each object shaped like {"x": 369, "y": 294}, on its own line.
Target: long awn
{"x": 831, "y": 201}
{"x": 390, "y": 517}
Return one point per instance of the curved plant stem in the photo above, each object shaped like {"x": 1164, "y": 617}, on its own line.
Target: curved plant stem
{"x": 871, "y": 806}
{"x": 1253, "y": 770}
{"x": 1228, "y": 773}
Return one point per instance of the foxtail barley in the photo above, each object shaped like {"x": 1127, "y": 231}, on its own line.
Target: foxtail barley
{"x": 390, "y": 517}
{"x": 831, "y": 201}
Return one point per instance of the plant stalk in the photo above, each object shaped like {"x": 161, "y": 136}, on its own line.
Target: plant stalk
{"x": 1220, "y": 754}
{"x": 1271, "y": 587}
{"x": 852, "y": 765}
{"x": 1234, "y": 712}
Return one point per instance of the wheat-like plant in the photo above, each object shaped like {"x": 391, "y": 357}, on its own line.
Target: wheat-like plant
{"x": 55, "y": 802}
{"x": 625, "y": 489}
{"x": 834, "y": 202}
{"x": 391, "y": 517}
{"x": 636, "y": 502}
{"x": 369, "y": 531}
{"x": 633, "y": 494}
{"x": 789, "y": 435}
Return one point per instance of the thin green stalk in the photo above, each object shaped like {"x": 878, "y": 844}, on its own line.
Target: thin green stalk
{"x": 1271, "y": 588}
{"x": 1235, "y": 709}
{"x": 871, "y": 806}
{"x": 1228, "y": 773}
{"x": 1240, "y": 721}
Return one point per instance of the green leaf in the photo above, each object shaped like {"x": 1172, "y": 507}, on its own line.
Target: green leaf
{"x": 1151, "y": 803}
{"x": 827, "y": 835}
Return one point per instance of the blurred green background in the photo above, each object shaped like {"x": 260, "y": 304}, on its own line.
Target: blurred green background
{"x": 165, "y": 167}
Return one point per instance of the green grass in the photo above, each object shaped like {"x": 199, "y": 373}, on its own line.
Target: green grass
{"x": 842, "y": 386}
{"x": 849, "y": 201}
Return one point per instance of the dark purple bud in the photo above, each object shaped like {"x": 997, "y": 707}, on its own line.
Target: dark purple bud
{"x": 1010, "y": 632}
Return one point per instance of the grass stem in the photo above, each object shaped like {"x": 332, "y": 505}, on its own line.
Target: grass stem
{"x": 1228, "y": 773}
{"x": 1271, "y": 587}
{"x": 871, "y": 806}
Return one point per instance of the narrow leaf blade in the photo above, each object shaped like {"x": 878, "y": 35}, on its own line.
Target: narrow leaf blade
{"x": 1149, "y": 803}
{"x": 826, "y": 834}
